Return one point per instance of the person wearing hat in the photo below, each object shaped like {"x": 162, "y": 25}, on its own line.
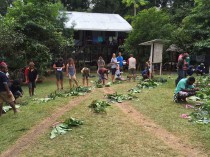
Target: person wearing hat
{"x": 200, "y": 69}
{"x": 5, "y": 93}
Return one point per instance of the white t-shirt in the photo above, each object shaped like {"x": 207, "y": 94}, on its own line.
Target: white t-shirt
{"x": 131, "y": 63}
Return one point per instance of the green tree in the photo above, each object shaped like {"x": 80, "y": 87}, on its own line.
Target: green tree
{"x": 76, "y": 5}
{"x": 109, "y": 6}
{"x": 135, "y": 3}
{"x": 194, "y": 34}
{"x": 4, "y": 4}
{"x": 147, "y": 25}
{"x": 40, "y": 25}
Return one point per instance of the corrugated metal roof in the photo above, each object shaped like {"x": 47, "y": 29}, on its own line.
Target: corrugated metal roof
{"x": 96, "y": 22}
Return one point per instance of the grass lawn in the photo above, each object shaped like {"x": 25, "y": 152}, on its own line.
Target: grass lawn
{"x": 13, "y": 126}
{"x": 111, "y": 134}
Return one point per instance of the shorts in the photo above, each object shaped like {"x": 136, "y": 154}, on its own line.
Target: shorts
{"x": 102, "y": 77}
{"x": 181, "y": 94}
{"x": 59, "y": 75}
{"x": 4, "y": 98}
{"x": 113, "y": 70}
{"x": 32, "y": 84}
{"x": 132, "y": 71}
{"x": 17, "y": 94}
{"x": 72, "y": 77}
{"x": 85, "y": 76}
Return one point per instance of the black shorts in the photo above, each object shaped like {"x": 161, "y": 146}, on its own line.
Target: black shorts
{"x": 59, "y": 75}
{"x": 85, "y": 76}
{"x": 32, "y": 84}
{"x": 113, "y": 71}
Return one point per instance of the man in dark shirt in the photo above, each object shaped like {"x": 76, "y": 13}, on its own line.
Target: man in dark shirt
{"x": 5, "y": 93}
{"x": 200, "y": 69}
{"x": 16, "y": 89}
{"x": 32, "y": 78}
{"x": 59, "y": 66}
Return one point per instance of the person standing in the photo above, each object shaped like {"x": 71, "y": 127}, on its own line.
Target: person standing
{"x": 113, "y": 66}
{"x": 120, "y": 60}
{"x": 71, "y": 72}
{"x": 5, "y": 93}
{"x": 100, "y": 63}
{"x": 181, "y": 66}
{"x": 59, "y": 66}
{"x": 132, "y": 67}
{"x": 32, "y": 78}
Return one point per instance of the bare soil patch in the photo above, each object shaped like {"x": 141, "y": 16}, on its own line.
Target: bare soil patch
{"x": 29, "y": 138}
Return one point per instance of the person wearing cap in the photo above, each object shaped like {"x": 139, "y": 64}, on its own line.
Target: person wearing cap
{"x": 32, "y": 78}
{"x": 5, "y": 93}
{"x": 200, "y": 69}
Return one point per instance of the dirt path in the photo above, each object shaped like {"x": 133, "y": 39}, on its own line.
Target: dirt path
{"x": 29, "y": 138}
{"x": 176, "y": 143}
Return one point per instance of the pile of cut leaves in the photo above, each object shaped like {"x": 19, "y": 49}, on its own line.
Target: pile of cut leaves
{"x": 160, "y": 80}
{"x": 78, "y": 91}
{"x": 134, "y": 90}
{"x": 99, "y": 106}
{"x": 115, "y": 97}
{"x": 201, "y": 115}
{"x": 203, "y": 84}
{"x": 148, "y": 83}
{"x": 7, "y": 108}
{"x": 64, "y": 127}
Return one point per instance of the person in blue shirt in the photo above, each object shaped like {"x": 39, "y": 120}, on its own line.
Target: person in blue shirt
{"x": 184, "y": 89}
{"x": 200, "y": 69}
{"x": 120, "y": 60}
{"x": 5, "y": 93}
{"x": 190, "y": 70}
{"x": 145, "y": 74}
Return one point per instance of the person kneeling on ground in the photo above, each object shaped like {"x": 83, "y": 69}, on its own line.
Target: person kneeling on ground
{"x": 5, "y": 93}
{"x": 145, "y": 74}
{"x": 16, "y": 89}
{"x": 102, "y": 72}
{"x": 184, "y": 89}
{"x": 85, "y": 75}
{"x": 200, "y": 69}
